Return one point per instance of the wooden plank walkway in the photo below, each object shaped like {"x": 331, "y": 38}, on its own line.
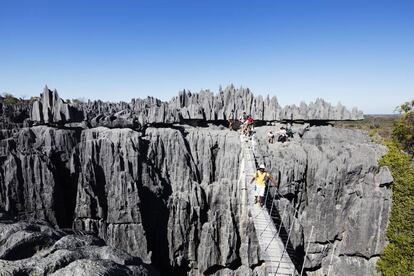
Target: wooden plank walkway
{"x": 277, "y": 260}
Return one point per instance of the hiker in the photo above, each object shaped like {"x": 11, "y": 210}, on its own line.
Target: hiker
{"x": 243, "y": 122}
{"x": 232, "y": 118}
{"x": 261, "y": 177}
{"x": 250, "y": 120}
{"x": 282, "y": 135}
{"x": 248, "y": 126}
{"x": 289, "y": 131}
{"x": 243, "y": 117}
{"x": 270, "y": 137}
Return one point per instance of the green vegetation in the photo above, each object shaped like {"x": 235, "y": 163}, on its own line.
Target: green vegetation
{"x": 404, "y": 132}
{"x": 398, "y": 256}
{"x": 397, "y": 133}
{"x": 9, "y": 99}
{"x": 78, "y": 101}
{"x": 405, "y": 107}
{"x": 381, "y": 125}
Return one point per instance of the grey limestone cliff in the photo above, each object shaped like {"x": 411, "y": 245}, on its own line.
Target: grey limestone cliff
{"x": 162, "y": 195}
{"x": 135, "y": 182}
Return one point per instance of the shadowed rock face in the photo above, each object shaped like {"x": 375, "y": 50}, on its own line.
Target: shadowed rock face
{"x": 34, "y": 173}
{"x": 14, "y": 115}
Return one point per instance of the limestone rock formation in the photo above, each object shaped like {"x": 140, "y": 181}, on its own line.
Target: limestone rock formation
{"x": 208, "y": 106}
{"x": 319, "y": 111}
{"x": 204, "y": 106}
{"x": 135, "y": 190}
{"x": 50, "y": 108}
{"x": 35, "y": 248}
{"x": 14, "y": 115}
{"x": 105, "y": 165}
{"x": 147, "y": 188}
{"x": 34, "y": 175}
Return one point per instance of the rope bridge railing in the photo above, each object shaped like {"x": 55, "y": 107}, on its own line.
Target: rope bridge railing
{"x": 282, "y": 231}
{"x": 271, "y": 201}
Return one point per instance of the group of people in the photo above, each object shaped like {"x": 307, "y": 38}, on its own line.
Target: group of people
{"x": 283, "y": 135}
{"x": 246, "y": 122}
{"x": 261, "y": 177}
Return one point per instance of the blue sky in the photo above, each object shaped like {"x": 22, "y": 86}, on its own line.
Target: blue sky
{"x": 360, "y": 53}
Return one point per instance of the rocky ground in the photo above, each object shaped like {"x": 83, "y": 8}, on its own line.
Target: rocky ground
{"x": 36, "y": 248}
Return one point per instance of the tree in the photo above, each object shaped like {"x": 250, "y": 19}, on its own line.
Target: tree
{"x": 9, "y": 99}
{"x": 405, "y": 107}
{"x": 398, "y": 256}
{"x": 78, "y": 101}
{"x": 403, "y": 131}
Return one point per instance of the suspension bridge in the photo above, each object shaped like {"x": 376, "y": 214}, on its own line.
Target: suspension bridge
{"x": 273, "y": 236}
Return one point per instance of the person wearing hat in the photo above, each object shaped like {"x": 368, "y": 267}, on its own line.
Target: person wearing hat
{"x": 261, "y": 177}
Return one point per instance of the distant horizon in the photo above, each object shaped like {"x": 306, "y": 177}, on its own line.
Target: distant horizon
{"x": 27, "y": 97}
{"x": 171, "y": 95}
{"x": 359, "y": 53}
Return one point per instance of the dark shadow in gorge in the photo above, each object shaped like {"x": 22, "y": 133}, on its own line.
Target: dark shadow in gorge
{"x": 296, "y": 254}
{"x": 155, "y": 214}
{"x": 65, "y": 193}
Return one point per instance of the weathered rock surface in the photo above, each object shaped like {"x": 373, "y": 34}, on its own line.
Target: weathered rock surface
{"x": 167, "y": 193}
{"x": 208, "y": 106}
{"x": 34, "y": 175}
{"x": 146, "y": 194}
{"x": 35, "y": 248}
{"x": 14, "y": 115}
{"x": 204, "y": 106}
{"x": 50, "y": 108}
{"x": 162, "y": 195}
{"x": 331, "y": 176}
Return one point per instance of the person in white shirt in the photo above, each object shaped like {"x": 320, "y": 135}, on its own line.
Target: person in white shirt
{"x": 270, "y": 137}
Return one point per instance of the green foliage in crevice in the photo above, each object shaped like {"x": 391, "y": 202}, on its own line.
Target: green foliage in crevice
{"x": 398, "y": 256}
